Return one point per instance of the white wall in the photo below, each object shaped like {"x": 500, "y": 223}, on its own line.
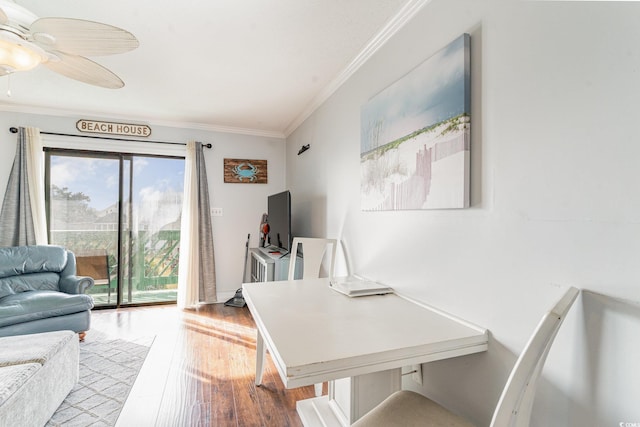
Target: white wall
{"x": 242, "y": 204}
{"x": 554, "y": 200}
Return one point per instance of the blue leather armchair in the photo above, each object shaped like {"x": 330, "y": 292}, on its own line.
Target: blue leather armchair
{"x": 40, "y": 292}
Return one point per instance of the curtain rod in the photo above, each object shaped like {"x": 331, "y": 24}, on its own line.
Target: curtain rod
{"x": 15, "y": 130}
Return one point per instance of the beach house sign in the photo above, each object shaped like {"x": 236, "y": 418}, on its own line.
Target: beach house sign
{"x": 126, "y": 129}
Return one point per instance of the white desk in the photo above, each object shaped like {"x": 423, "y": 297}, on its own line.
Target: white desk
{"x": 315, "y": 334}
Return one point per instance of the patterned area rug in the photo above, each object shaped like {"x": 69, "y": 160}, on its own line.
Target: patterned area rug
{"x": 108, "y": 369}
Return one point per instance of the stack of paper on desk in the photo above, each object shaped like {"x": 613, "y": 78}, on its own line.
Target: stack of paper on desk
{"x": 356, "y": 286}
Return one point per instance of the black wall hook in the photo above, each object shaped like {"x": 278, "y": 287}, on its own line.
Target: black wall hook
{"x": 303, "y": 149}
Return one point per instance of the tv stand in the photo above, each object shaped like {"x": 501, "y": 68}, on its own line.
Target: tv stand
{"x": 271, "y": 263}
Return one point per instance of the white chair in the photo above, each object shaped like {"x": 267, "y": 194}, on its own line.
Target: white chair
{"x": 406, "y": 408}
{"x": 314, "y": 250}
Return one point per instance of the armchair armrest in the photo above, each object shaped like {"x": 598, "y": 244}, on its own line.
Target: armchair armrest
{"x": 75, "y": 284}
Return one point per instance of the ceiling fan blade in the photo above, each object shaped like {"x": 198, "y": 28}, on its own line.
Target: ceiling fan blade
{"x": 81, "y": 37}
{"x": 84, "y": 70}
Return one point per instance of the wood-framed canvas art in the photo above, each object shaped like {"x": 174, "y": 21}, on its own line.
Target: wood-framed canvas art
{"x": 245, "y": 171}
{"x": 415, "y": 136}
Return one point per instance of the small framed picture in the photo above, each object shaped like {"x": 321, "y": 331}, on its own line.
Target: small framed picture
{"x": 245, "y": 171}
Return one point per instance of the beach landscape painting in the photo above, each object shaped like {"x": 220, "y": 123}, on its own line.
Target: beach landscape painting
{"x": 415, "y": 136}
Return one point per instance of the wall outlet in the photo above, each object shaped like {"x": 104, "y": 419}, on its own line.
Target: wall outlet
{"x": 216, "y": 211}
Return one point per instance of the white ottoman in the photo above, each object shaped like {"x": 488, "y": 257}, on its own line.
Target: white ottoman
{"x": 36, "y": 373}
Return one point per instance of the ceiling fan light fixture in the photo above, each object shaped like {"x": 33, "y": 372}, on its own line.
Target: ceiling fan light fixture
{"x": 60, "y": 44}
{"x": 17, "y": 57}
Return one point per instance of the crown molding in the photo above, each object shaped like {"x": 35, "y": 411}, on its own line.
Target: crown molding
{"x": 380, "y": 39}
{"x": 57, "y": 112}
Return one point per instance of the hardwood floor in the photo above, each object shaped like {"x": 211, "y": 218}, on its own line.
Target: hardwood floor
{"x": 200, "y": 369}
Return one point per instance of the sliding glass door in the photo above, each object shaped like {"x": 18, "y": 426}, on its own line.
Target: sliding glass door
{"x": 120, "y": 215}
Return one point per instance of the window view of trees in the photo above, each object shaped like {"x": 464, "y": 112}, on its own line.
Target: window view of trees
{"x": 72, "y": 209}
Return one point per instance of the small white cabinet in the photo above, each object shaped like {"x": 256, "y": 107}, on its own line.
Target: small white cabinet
{"x": 268, "y": 264}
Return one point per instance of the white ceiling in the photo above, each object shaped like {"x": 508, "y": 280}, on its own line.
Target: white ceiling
{"x": 255, "y": 66}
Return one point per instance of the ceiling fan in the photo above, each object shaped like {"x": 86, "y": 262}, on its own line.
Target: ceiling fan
{"x": 59, "y": 44}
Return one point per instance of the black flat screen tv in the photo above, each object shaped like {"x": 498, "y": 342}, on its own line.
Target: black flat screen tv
{"x": 279, "y": 219}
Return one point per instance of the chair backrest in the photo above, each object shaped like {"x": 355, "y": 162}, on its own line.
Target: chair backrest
{"x": 314, "y": 250}
{"x": 95, "y": 266}
{"x": 20, "y": 260}
{"x": 514, "y": 406}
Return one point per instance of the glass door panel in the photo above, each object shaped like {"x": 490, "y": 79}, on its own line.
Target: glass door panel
{"x": 155, "y": 207}
{"x": 83, "y": 217}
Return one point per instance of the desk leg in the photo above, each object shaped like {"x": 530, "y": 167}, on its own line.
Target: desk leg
{"x": 260, "y": 355}
{"x": 349, "y": 399}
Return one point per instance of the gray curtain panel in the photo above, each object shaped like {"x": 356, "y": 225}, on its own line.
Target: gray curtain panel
{"x": 207, "y": 291}
{"x": 16, "y": 218}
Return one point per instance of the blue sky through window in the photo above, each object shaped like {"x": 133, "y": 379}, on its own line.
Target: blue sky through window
{"x": 98, "y": 177}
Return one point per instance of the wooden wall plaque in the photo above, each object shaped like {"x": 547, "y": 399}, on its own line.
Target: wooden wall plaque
{"x": 245, "y": 171}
